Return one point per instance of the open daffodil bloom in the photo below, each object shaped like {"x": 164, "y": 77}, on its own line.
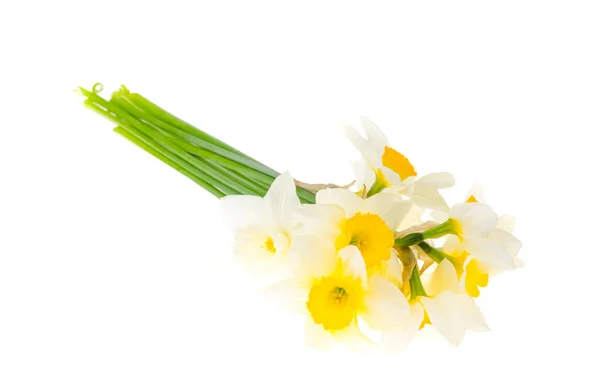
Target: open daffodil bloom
{"x": 347, "y": 219}
{"x": 384, "y": 168}
{"x": 334, "y": 290}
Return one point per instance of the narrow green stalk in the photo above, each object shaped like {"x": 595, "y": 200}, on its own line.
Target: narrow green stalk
{"x": 185, "y": 147}
{"x": 146, "y": 105}
{"x": 137, "y": 112}
{"x": 435, "y": 254}
{"x": 416, "y": 286}
{"x": 156, "y": 115}
{"x": 446, "y": 228}
{"x": 410, "y": 239}
{"x": 216, "y": 192}
{"x": 376, "y": 188}
{"x": 214, "y": 176}
{"x": 245, "y": 172}
{"x": 144, "y": 134}
{"x": 222, "y": 173}
{"x": 157, "y": 111}
{"x": 231, "y": 187}
{"x": 261, "y": 181}
{"x": 222, "y": 177}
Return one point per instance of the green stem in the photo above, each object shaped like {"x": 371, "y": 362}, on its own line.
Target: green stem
{"x": 152, "y": 112}
{"x": 410, "y": 239}
{"x": 445, "y": 228}
{"x": 164, "y": 115}
{"x": 376, "y": 188}
{"x": 223, "y": 173}
{"x": 416, "y": 286}
{"x": 167, "y": 140}
{"x": 230, "y": 186}
{"x": 138, "y": 112}
{"x": 448, "y": 227}
{"x": 435, "y": 254}
{"x": 216, "y": 163}
{"x": 216, "y": 192}
{"x": 146, "y": 135}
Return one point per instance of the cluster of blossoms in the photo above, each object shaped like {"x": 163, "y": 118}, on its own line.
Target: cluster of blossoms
{"x": 352, "y": 261}
{"x": 364, "y": 260}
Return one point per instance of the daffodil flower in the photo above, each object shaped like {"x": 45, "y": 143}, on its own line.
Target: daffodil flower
{"x": 332, "y": 288}
{"x": 472, "y": 229}
{"x": 346, "y": 219}
{"x": 384, "y": 168}
{"x": 263, "y": 227}
{"x": 476, "y": 272}
{"x": 442, "y": 304}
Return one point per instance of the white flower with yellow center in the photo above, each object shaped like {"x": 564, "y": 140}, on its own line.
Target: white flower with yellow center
{"x": 384, "y": 168}
{"x": 448, "y": 309}
{"x": 263, "y": 226}
{"x": 332, "y": 288}
{"x": 472, "y": 226}
{"x": 475, "y": 272}
{"x": 346, "y": 219}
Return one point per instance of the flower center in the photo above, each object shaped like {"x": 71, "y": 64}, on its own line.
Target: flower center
{"x": 334, "y": 301}
{"x": 370, "y": 234}
{"x": 269, "y": 245}
{"x": 396, "y": 162}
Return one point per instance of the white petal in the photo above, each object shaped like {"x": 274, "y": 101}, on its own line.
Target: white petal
{"x": 353, "y": 264}
{"x": 453, "y": 246}
{"x": 394, "y": 179}
{"x": 354, "y": 339}
{"x": 446, "y": 315}
{"x": 476, "y": 219}
{"x": 429, "y": 198}
{"x": 317, "y": 337}
{"x": 344, "y": 198}
{"x": 312, "y": 256}
{"x": 367, "y": 150}
{"x": 389, "y": 206}
{"x": 393, "y": 269}
{"x": 364, "y": 174}
{"x": 318, "y": 218}
{"x": 240, "y": 211}
{"x": 412, "y": 218}
{"x": 506, "y": 241}
{"x": 506, "y": 223}
{"x": 374, "y": 134}
{"x": 437, "y": 180}
{"x": 444, "y": 278}
{"x": 489, "y": 253}
{"x": 408, "y": 182}
{"x": 291, "y": 294}
{"x": 477, "y": 192}
{"x": 474, "y": 320}
{"x": 398, "y": 339}
{"x": 281, "y": 242}
{"x": 386, "y": 308}
{"x": 439, "y": 216}
{"x": 282, "y": 201}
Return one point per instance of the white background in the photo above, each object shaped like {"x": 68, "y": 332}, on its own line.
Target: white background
{"x": 109, "y": 258}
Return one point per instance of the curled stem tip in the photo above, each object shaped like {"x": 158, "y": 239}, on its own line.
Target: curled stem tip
{"x": 97, "y": 88}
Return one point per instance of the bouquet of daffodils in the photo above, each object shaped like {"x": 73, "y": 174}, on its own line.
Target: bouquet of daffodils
{"x": 382, "y": 257}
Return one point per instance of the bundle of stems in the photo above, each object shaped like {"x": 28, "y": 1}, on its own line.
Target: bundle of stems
{"x": 214, "y": 165}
